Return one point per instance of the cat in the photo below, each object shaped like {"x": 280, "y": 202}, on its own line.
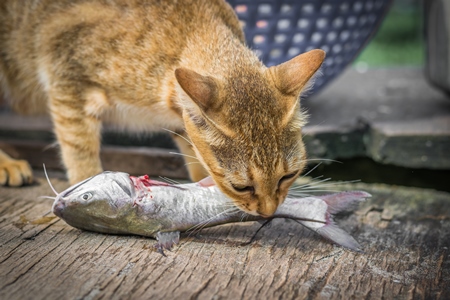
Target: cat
{"x": 148, "y": 65}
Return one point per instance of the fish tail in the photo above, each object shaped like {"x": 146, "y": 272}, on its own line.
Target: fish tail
{"x": 338, "y": 236}
{"x": 337, "y": 203}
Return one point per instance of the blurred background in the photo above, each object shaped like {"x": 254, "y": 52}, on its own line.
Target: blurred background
{"x": 403, "y": 77}
{"x": 399, "y": 40}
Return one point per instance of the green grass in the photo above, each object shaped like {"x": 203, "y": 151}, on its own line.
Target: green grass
{"x": 398, "y": 41}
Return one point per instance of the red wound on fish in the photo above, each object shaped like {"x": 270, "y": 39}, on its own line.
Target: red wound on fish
{"x": 142, "y": 185}
{"x": 145, "y": 180}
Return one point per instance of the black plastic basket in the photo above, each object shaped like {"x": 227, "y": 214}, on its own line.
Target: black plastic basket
{"x": 280, "y": 30}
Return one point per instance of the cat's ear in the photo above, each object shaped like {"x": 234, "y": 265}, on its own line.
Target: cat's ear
{"x": 203, "y": 90}
{"x": 291, "y": 77}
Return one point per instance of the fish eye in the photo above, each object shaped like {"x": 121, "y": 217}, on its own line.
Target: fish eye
{"x": 86, "y": 196}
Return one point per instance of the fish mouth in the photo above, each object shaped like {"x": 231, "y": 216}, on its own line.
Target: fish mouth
{"x": 58, "y": 207}
{"x": 60, "y": 204}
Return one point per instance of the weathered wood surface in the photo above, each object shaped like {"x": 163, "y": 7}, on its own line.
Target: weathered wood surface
{"x": 405, "y": 233}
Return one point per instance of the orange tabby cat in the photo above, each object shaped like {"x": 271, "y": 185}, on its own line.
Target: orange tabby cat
{"x": 145, "y": 65}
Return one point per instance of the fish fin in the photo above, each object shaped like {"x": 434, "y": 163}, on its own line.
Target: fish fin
{"x": 336, "y": 203}
{"x": 206, "y": 182}
{"x": 343, "y": 201}
{"x": 338, "y": 236}
{"x": 166, "y": 240}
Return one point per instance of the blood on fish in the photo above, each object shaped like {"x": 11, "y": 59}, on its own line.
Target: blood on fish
{"x": 142, "y": 185}
{"x": 146, "y": 181}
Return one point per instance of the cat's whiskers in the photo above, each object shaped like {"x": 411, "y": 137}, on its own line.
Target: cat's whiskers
{"x": 310, "y": 171}
{"x": 323, "y": 159}
{"x": 310, "y": 193}
{"x": 192, "y": 162}
{"x": 185, "y": 155}
{"x": 168, "y": 180}
{"x": 243, "y": 216}
{"x": 229, "y": 206}
{"x": 315, "y": 183}
{"x": 181, "y": 136}
{"x": 328, "y": 185}
{"x": 312, "y": 127}
{"x": 320, "y": 186}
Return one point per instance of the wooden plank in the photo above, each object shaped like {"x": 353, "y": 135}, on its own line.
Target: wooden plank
{"x": 133, "y": 160}
{"x": 405, "y": 233}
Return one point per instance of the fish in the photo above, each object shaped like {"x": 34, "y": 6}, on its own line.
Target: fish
{"x": 117, "y": 203}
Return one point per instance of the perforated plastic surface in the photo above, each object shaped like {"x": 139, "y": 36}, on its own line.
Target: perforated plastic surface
{"x": 280, "y": 30}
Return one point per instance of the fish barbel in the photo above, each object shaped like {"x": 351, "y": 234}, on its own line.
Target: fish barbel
{"x": 117, "y": 203}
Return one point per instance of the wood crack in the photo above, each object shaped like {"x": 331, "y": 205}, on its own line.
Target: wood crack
{"x": 202, "y": 288}
{"x": 29, "y": 268}
{"x": 321, "y": 282}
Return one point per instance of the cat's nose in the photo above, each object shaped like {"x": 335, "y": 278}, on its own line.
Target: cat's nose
{"x": 263, "y": 215}
{"x": 267, "y": 208}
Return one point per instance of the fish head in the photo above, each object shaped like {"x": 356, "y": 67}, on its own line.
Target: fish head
{"x": 96, "y": 203}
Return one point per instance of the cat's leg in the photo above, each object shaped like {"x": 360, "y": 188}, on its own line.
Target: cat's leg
{"x": 78, "y": 129}
{"x": 195, "y": 168}
{"x": 14, "y": 172}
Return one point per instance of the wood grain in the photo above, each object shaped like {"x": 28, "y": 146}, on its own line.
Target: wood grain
{"x": 405, "y": 233}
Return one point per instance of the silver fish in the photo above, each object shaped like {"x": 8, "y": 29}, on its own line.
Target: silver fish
{"x": 117, "y": 203}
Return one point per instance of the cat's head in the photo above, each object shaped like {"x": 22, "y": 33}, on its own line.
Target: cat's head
{"x": 245, "y": 128}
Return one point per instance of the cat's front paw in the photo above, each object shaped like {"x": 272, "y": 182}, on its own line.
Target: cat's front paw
{"x": 15, "y": 172}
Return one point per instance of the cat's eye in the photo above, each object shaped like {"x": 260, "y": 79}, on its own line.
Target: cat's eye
{"x": 86, "y": 196}
{"x": 243, "y": 189}
{"x": 288, "y": 176}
